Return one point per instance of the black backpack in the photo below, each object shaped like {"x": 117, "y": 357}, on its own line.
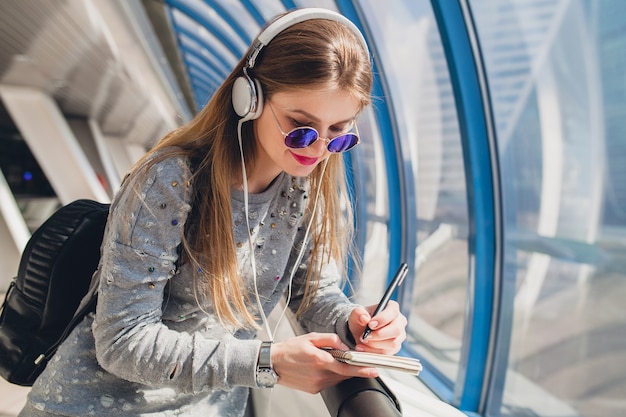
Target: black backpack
{"x": 54, "y": 275}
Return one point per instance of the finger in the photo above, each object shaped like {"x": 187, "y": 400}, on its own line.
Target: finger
{"x": 390, "y": 345}
{"x": 347, "y": 370}
{"x": 390, "y": 334}
{"x": 362, "y": 315}
{"x": 358, "y": 319}
{"x": 327, "y": 340}
{"x": 390, "y": 330}
{"x": 388, "y": 314}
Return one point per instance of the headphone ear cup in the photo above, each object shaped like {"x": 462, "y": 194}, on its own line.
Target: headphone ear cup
{"x": 243, "y": 96}
{"x": 247, "y": 98}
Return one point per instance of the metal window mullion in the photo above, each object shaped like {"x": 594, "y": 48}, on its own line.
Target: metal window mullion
{"x": 478, "y": 139}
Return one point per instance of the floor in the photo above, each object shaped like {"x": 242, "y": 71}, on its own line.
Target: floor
{"x": 12, "y": 398}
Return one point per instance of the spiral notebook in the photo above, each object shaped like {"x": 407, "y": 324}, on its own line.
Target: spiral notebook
{"x": 377, "y": 360}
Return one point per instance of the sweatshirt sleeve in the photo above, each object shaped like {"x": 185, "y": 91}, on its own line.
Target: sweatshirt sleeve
{"x": 139, "y": 256}
{"x": 330, "y": 308}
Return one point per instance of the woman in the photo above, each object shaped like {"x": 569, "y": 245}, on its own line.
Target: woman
{"x": 232, "y": 211}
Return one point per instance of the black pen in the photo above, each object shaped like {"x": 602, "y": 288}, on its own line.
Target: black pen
{"x": 395, "y": 283}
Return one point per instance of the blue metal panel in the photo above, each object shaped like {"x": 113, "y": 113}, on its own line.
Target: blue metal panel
{"x": 354, "y": 192}
{"x": 254, "y": 12}
{"x": 352, "y": 162}
{"x": 473, "y": 109}
{"x": 199, "y": 73}
{"x": 289, "y": 4}
{"x": 226, "y": 41}
{"x": 202, "y": 20}
{"x": 232, "y": 21}
{"x": 219, "y": 59}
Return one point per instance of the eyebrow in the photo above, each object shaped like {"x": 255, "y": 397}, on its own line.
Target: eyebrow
{"x": 316, "y": 119}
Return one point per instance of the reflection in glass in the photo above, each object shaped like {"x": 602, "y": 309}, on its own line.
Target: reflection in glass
{"x": 370, "y": 179}
{"x": 555, "y": 72}
{"x": 419, "y": 88}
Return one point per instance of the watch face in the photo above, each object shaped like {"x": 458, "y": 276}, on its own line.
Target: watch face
{"x": 266, "y": 378}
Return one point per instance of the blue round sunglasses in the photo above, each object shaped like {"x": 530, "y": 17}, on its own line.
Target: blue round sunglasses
{"x": 302, "y": 137}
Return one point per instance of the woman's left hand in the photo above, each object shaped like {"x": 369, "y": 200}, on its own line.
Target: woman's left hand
{"x": 388, "y": 328}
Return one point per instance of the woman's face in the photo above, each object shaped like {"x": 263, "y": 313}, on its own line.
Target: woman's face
{"x": 330, "y": 112}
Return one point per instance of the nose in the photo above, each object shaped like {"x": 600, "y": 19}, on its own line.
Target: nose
{"x": 321, "y": 145}
{"x": 325, "y": 140}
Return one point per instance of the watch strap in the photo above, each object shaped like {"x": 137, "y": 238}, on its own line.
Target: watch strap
{"x": 265, "y": 375}
{"x": 265, "y": 356}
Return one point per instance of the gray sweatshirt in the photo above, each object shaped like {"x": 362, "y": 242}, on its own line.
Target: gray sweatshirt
{"x": 149, "y": 349}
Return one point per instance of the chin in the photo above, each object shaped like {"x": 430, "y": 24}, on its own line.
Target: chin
{"x": 301, "y": 171}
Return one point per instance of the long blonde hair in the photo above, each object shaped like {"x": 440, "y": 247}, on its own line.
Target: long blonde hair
{"x": 311, "y": 54}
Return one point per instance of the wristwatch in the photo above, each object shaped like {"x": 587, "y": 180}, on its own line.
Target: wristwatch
{"x": 265, "y": 375}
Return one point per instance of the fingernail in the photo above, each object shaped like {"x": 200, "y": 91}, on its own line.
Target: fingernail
{"x": 373, "y": 324}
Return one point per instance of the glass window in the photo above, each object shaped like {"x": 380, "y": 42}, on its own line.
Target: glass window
{"x": 23, "y": 175}
{"x": 556, "y": 77}
{"x": 414, "y": 67}
{"x": 370, "y": 180}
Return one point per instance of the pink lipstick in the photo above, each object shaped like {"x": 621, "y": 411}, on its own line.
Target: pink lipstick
{"x": 304, "y": 160}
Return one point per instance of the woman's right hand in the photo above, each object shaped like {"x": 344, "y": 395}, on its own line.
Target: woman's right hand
{"x": 302, "y": 365}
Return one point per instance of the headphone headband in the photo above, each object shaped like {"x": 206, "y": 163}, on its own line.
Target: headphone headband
{"x": 293, "y": 18}
{"x": 247, "y": 95}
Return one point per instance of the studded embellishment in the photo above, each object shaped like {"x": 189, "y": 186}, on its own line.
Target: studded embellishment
{"x": 163, "y": 205}
{"x": 151, "y": 285}
{"x": 151, "y": 269}
{"x": 174, "y": 183}
{"x": 174, "y": 222}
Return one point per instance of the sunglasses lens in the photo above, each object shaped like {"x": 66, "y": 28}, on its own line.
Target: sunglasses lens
{"x": 343, "y": 143}
{"x": 301, "y": 137}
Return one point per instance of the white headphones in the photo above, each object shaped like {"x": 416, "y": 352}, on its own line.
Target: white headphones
{"x": 247, "y": 94}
